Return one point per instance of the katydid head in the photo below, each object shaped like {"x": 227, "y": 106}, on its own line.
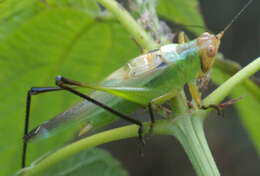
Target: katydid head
{"x": 209, "y": 43}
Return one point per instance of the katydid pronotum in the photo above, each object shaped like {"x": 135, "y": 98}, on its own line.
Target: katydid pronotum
{"x": 147, "y": 80}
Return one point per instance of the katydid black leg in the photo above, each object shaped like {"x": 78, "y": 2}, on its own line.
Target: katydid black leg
{"x": 64, "y": 84}
{"x": 32, "y": 91}
{"x": 151, "y": 114}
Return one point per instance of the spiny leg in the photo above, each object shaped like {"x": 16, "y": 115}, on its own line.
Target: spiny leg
{"x": 195, "y": 93}
{"x": 196, "y": 96}
{"x": 65, "y": 83}
{"x": 220, "y": 107}
{"x": 32, "y": 91}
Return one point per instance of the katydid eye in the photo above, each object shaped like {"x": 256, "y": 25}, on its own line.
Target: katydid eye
{"x": 211, "y": 51}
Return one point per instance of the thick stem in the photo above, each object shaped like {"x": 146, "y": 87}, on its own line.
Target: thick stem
{"x": 179, "y": 103}
{"x": 189, "y": 131}
{"x": 137, "y": 32}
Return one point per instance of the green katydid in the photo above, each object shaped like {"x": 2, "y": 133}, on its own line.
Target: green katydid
{"x": 151, "y": 78}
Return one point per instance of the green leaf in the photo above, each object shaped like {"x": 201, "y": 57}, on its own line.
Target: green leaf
{"x": 88, "y": 6}
{"x": 54, "y": 41}
{"x": 16, "y": 12}
{"x": 183, "y": 12}
{"x": 96, "y": 162}
{"x": 248, "y": 106}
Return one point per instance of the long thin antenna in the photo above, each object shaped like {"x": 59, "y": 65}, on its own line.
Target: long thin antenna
{"x": 235, "y": 18}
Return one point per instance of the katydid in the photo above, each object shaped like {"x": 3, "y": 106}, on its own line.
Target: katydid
{"x": 151, "y": 78}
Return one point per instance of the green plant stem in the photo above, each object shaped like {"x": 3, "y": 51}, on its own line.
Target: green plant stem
{"x": 222, "y": 91}
{"x": 230, "y": 68}
{"x": 189, "y": 131}
{"x": 162, "y": 127}
{"x": 137, "y": 32}
{"x": 179, "y": 103}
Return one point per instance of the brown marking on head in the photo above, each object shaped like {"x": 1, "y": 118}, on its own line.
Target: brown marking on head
{"x": 208, "y": 45}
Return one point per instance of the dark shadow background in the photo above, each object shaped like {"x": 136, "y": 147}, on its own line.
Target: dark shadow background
{"x": 234, "y": 153}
